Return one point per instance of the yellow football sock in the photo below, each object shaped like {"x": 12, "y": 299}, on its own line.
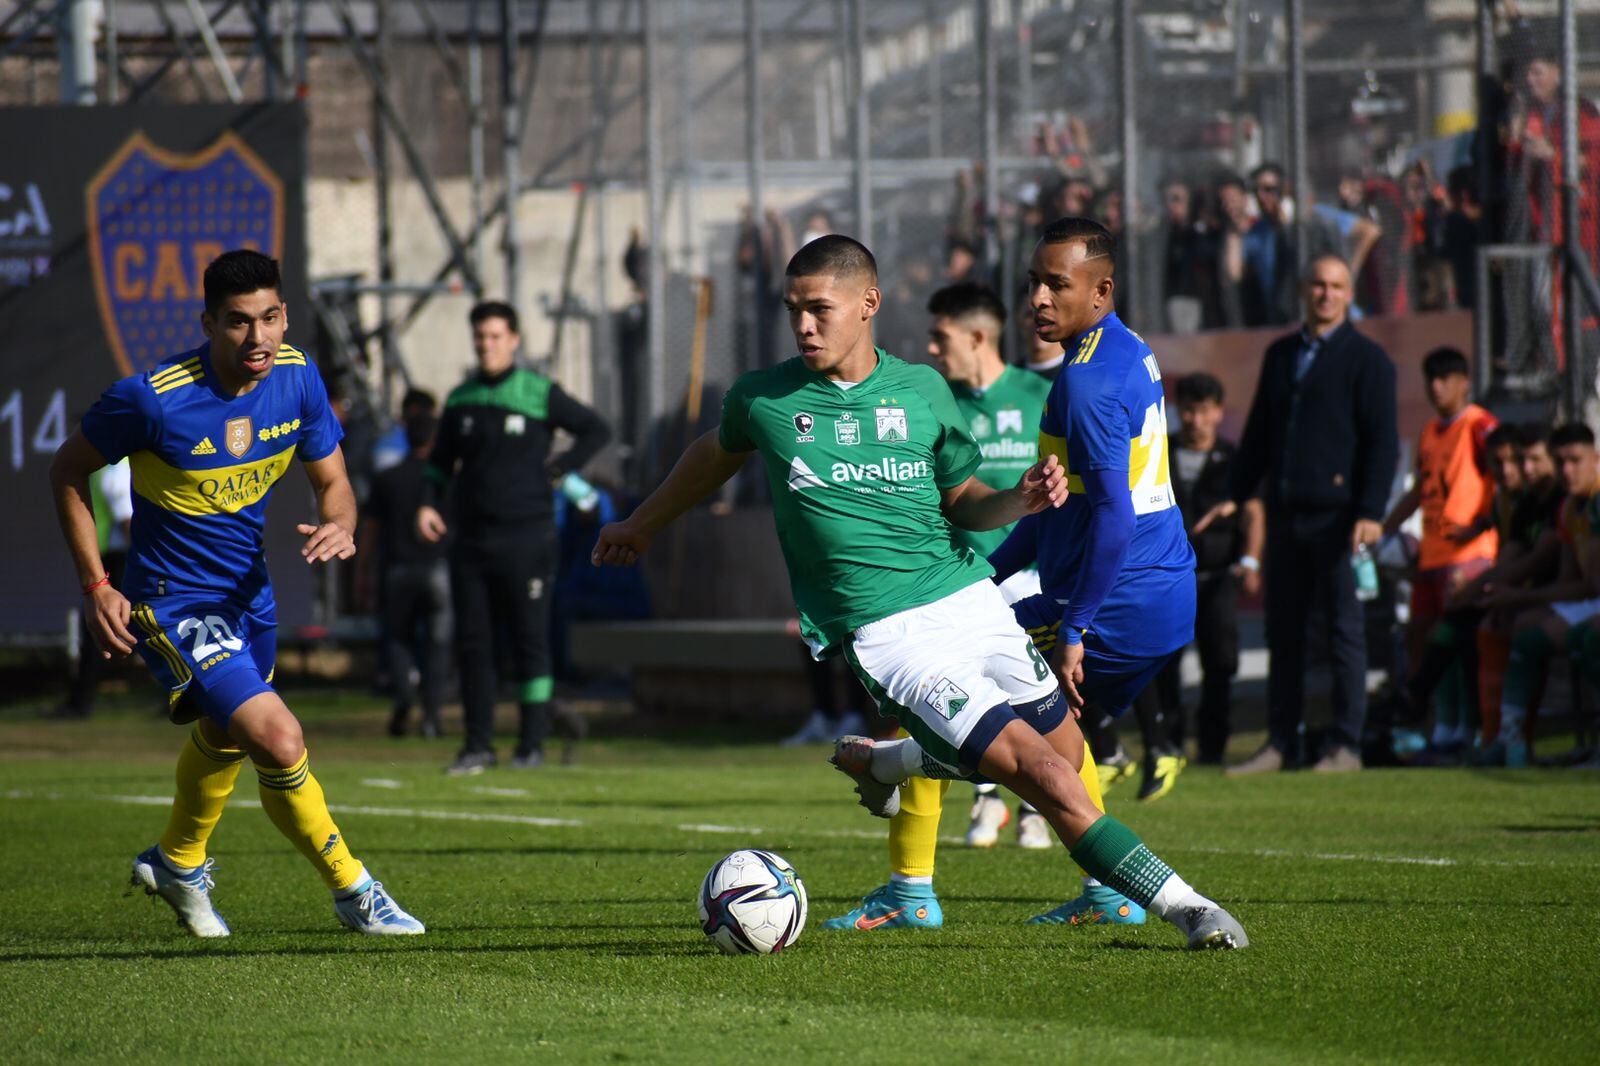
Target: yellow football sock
{"x": 295, "y": 803}
{"x": 1091, "y": 784}
{"x": 205, "y": 781}
{"x": 914, "y": 832}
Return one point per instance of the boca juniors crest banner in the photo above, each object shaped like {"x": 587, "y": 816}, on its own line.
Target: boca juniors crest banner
{"x": 106, "y": 227}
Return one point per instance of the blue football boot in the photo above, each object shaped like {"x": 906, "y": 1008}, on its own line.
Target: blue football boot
{"x": 1099, "y": 905}
{"x": 893, "y": 906}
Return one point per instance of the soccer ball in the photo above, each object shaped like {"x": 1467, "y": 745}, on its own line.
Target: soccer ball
{"x": 752, "y": 903}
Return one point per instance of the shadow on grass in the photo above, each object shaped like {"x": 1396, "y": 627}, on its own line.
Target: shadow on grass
{"x": 1552, "y": 828}
{"x": 629, "y": 948}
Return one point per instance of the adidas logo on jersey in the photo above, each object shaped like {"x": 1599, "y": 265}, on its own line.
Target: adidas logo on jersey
{"x": 802, "y": 477}
{"x": 205, "y": 447}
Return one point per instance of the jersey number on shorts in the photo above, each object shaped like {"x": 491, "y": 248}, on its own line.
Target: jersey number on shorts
{"x": 211, "y": 626}
{"x": 1040, "y": 670}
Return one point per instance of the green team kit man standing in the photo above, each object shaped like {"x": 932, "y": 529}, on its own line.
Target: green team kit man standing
{"x": 871, "y": 465}
{"x": 1002, "y": 405}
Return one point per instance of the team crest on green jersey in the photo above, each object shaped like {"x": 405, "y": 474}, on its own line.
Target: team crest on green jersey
{"x": 892, "y": 425}
{"x": 846, "y": 429}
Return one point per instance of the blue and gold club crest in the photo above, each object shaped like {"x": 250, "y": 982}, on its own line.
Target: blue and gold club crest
{"x": 156, "y": 219}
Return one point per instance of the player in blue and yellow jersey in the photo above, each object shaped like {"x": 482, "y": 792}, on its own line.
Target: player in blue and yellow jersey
{"x": 1115, "y": 566}
{"x": 208, "y": 435}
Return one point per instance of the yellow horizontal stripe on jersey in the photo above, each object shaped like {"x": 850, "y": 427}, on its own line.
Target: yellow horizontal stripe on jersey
{"x": 178, "y": 370}
{"x": 1146, "y": 461}
{"x": 219, "y": 490}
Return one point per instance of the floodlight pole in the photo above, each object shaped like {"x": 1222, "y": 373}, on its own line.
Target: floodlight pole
{"x": 1299, "y": 173}
{"x": 511, "y": 142}
{"x": 1127, "y": 101}
{"x": 655, "y": 205}
{"x": 860, "y": 128}
{"x": 989, "y": 101}
{"x": 756, "y": 151}
{"x": 1571, "y": 237}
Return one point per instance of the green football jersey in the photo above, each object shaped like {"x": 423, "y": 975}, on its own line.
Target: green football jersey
{"x": 856, "y": 476}
{"x": 1004, "y": 419}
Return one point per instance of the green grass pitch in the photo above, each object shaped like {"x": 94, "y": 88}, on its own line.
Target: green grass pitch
{"x": 1400, "y": 916}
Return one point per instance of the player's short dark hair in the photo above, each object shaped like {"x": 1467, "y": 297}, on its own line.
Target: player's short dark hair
{"x": 1266, "y": 168}
{"x": 488, "y": 309}
{"x": 238, "y": 273}
{"x": 967, "y": 298}
{"x": 1199, "y": 387}
{"x": 1535, "y": 433}
{"x": 1228, "y": 178}
{"x": 1507, "y": 434}
{"x": 1097, "y": 240}
{"x": 419, "y": 429}
{"x": 1462, "y": 183}
{"x": 418, "y": 399}
{"x": 833, "y": 255}
{"x": 1571, "y": 433}
{"x": 1443, "y": 362}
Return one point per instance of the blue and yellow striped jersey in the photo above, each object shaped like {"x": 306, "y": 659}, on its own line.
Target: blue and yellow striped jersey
{"x": 1107, "y": 411}
{"x": 203, "y": 465}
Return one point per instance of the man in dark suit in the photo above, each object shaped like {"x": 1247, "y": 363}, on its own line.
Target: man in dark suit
{"x": 1320, "y": 449}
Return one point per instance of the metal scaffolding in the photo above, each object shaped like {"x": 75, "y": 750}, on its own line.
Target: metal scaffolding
{"x": 875, "y": 110}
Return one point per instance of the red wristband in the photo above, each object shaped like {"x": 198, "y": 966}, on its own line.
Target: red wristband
{"x": 98, "y": 584}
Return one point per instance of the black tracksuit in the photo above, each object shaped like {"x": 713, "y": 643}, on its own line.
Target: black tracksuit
{"x": 493, "y": 452}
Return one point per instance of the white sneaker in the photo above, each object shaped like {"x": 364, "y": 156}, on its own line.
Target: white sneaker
{"x": 372, "y": 910}
{"x": 989, "y": 815}
{"x": 1033, "y": 831}
{"x": 189, "y": 895}
{"x": 817, "y": 730}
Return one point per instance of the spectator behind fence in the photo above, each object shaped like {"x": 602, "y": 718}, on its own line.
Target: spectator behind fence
{"x": 1548, "y": 615}
{"x": 1463, "y": 232}
{"x": 493, "y": 448}
{"x": 1233, "y": 224}
{"x": 1319, "y": 447}
{"x": 1189, "y": 260}
{"x": 1454, "y": 488}
{"x": 1536, "y": 148}
{"x": 1227, "y": 554}
{"x": 412, "y": 579}
{"x": 1268, "y": 284}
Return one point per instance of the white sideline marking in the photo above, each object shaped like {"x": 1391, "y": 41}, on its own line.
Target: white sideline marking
{"x": 383, "y": 782}
{"x": 489, "y": 790}
{"x": 837, "y": 834}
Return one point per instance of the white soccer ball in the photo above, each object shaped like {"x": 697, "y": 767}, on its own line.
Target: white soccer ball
{"x": 752, "y": 903}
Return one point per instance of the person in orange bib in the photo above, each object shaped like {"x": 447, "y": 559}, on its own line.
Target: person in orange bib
{"x": 1455, "y": 491}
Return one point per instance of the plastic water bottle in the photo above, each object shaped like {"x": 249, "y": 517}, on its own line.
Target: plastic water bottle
{"x": 1366, "y": 574}
{"x": 584, "y": 496}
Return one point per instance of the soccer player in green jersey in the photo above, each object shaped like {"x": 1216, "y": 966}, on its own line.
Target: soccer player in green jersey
{"x": 871, "y": 465}
{"x": 1002, "y": 405}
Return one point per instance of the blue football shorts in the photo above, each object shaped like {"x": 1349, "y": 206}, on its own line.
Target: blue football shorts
{"x": 211, "y": 656}
{"x": 1111, "y": 682}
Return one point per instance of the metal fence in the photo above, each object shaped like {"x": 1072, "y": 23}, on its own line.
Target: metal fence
{"x": 667, "y": 156}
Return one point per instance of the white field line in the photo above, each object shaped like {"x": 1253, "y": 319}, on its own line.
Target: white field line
{"x": 749, "y": 830}
{"x": 383, "y": 782}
